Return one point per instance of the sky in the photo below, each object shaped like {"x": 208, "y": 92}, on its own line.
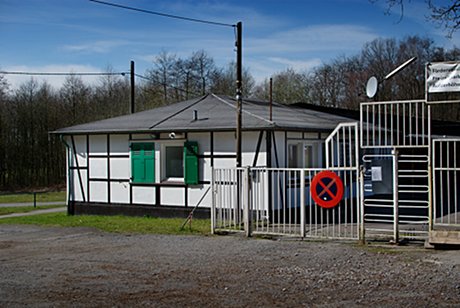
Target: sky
{"x": 83, "y": 36}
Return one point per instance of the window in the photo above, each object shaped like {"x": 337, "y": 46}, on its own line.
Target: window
{"x": 311, "y": 158}
{"x": 178, "y": 162}
{"x": 293, "y": 158}
{"x": 174, "y": 162}
{"x": 305, "y": 154}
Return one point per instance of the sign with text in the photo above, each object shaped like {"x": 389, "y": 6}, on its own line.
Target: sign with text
{"x": 443, "y": 77}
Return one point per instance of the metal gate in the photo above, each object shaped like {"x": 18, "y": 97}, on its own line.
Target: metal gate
{"x": 395, "y": 139}
{"x": 278, "y": 201}
{"x": 446, "y": 184}
{"x": 407, "y": 187}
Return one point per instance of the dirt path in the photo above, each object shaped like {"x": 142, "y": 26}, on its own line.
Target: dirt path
{"x": 36, "y": 212}
{"x": 81, "y": 267}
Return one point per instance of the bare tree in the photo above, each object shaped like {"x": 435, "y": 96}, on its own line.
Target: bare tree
{"x": 76, "y": 96}
{"x": 163, "y": 72}
{"x": 203, "y": 69}
{"x": 289, "y": 87}
{"x": 3, "y": 128}
{"x": 446, "y": 15}
{"x": 111, "y": 96}
{"x": 224, "y": 81}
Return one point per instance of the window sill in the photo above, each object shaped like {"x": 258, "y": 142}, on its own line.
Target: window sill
{"x": 173, "y": 181}
{"x": 163, "y": 184}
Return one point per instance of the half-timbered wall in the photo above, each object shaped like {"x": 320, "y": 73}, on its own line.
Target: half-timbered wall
{"x": 100, "y": 165}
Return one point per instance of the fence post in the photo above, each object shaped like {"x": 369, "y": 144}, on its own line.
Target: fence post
{"x": 302, "y": 203}
{"x": 35, "y": 199}
{"x": 395, "y": 197}
{"x": 213, "y": 202}
{"x": 431, "y": 187}
{"x": 362, "y": 229}
{"x": 247, "y": 203}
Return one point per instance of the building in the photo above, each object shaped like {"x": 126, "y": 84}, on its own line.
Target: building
{"x": 159, "y": 161}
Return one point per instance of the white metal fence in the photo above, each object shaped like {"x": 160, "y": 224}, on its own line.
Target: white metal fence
{"x": 395, "y": 139}
{"x": 395, "y": 124}
{"x": 342, "y": 147}
{"x": 227, "y": 199}
{"x": 395, "y": 143}
{"x": 279, "y": 200}
{"x": 280, "y": 203}
{"x": 403, "y": 210}
{"x": 446, "y": 182}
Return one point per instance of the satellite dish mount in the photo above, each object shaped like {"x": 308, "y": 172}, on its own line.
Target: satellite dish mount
{"x": 372, "y": 85}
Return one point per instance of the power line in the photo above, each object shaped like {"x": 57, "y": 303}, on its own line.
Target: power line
{"x": 62, "y": 74}
{"x": 164, "y": 14}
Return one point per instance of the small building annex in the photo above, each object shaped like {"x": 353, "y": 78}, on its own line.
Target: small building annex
{"x": 159, "y": 161}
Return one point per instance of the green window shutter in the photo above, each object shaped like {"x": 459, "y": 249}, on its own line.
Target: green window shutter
{"x": 191, "y": 162}
{"x": 143, "y": 162}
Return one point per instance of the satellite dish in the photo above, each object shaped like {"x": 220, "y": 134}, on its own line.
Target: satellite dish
{"x": 371, "y": 87}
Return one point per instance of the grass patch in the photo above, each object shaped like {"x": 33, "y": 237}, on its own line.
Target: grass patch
{"x": 116, "y": 224}
{"x": 29, "y": 197}
{"x": 26, "y": 209}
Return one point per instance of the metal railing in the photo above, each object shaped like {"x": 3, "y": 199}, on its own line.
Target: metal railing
{"x": 280, "y": 203}
{"x": 342, "y": 146}
{"x": 395, "y": 124}
{"x": 446, "y": 182}
{"x": 402, "y": 212}
{"x": 227, "y": 199}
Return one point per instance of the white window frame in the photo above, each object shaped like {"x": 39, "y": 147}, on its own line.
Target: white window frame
{"x": 163, "y": 159}
{"x": 317, "y": 143}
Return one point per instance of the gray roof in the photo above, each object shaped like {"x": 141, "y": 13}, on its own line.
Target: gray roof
{"x": 216, "y": 113}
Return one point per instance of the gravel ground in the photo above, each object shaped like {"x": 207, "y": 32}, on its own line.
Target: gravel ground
{"x": 82, "y": 267}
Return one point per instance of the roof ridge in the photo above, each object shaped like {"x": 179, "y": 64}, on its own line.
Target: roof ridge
{"x": 180, "y": 111}
{"x": 244, "y": 111}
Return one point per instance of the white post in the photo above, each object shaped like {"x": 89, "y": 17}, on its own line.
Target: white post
{"x": 431, "y": 156}
{"x": 302, "y": 202}
{"x": 395, "y": 197}
{"x": 362, "y": 229}
{"x": 213, "y": 202}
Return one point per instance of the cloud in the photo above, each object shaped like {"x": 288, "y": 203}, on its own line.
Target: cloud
{"x": 316, "y": 38}
{"x": 225, "y": 12}
{"x": 298, "y": 65}
{"x": 301, "y": 48}
{"x": 55, "y": 81}
{"x": 262, "y": 69}
{"x": 96, "y": 47}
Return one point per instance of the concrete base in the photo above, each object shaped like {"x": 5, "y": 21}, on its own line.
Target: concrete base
{"x": 444, "y": 237}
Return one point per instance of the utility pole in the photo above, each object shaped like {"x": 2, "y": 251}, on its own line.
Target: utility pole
{"x": 239, "y": 98}
{"x": 132, "y": 109}
{"x": 271, "y": 100}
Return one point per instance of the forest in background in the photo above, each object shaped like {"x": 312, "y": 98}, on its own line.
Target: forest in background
{"x": 31, "y": 158}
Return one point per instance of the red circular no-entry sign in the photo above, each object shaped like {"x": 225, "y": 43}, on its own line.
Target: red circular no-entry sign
{"x": 326, "y": 189}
